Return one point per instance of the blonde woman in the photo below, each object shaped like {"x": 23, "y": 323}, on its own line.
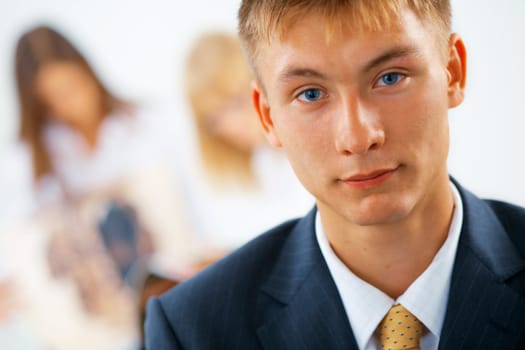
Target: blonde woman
{"x": 247, "y": 186}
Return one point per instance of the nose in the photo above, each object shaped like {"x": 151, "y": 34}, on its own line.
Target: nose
{"x": 358, "y": 128}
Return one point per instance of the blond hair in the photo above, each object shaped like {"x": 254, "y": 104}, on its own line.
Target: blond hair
{"x": 216, "y": 72}
{"x": 260, "y": 20}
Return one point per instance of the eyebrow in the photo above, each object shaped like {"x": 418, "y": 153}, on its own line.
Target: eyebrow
{"x": 395, "y": 52}
{"x": 300, "y": 72}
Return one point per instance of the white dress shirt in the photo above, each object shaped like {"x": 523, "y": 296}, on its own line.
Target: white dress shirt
{"x": 426, "y": 297}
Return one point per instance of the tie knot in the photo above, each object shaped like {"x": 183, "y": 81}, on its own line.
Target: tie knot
{"x": 400, "y": 330}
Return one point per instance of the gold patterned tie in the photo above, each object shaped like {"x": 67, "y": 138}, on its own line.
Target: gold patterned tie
{"x": 400, "y": 330}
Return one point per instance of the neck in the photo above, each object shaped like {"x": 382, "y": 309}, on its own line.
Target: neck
{"x": 392, "y": 256}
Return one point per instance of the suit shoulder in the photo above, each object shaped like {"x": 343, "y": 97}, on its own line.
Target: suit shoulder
{"x": 512, "y": 217}
{"x": 233, "y": 279}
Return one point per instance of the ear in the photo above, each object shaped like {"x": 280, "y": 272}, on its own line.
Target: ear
{"x": 260, "y": 102}
{"x": 456, "y": 70}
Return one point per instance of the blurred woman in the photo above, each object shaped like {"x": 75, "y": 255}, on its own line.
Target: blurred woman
{"x": 85, "y": 142}
{"x": 218, "y": 84}
{"x": 73, "y": 126}
{"x": 102, "y": 179}
{"x": 247, "y": 185}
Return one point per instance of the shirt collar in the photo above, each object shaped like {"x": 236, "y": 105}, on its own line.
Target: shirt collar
{"x": 426, "y": 297}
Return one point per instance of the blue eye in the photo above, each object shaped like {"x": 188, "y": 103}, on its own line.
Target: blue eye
{"x": 389, "y": 79}
{"x": 311, "y": 95}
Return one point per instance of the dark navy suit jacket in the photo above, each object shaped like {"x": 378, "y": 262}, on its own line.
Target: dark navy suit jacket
{"x": 277, "y": 292}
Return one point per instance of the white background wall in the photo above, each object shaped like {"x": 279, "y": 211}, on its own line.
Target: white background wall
{"x": 139, "y": 49}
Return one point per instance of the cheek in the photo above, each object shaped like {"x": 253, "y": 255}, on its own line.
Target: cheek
{"x": 422, "y": 130}
{"x": 423, "y": 112}
{"x": 71, "y": 107}
{"x": 231, "y": 133}
{"x": 434, "y": 121}
{"x": 306, "y": 141}
{"x": 59, "y": 108}
{"x": 89, "y": 97}
{"x": 74, "y": 103}
{"x": 300, "y": 133}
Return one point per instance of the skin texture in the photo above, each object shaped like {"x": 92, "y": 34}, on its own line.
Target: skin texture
{"x": 72, "y": 97}
{"x": 363, "y": 119}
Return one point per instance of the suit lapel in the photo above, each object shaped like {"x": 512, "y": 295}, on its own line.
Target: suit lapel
{"x": 483, "y": 312}
{"x": 301, "y": 307}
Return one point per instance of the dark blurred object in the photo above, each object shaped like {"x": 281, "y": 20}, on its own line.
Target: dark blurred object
{"x": 77, "y": 253}
{"x": 128, "y": 245}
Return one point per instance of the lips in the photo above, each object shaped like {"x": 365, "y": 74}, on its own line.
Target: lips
{"x": 370, "y": 179}
{"x": 369, "y": 176}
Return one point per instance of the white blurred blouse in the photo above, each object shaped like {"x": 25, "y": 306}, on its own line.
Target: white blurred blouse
{"x": 230, "y": 214}
{"x": 134, "y": 154}
{"x": 126, "y": 143}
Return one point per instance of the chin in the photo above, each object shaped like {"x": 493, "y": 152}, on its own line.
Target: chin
{"x": 379, "y": 211}
{"x": 378, "y": 219}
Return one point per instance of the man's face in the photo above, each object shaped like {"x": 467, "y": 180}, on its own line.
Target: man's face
{"x": 362, "y": 116}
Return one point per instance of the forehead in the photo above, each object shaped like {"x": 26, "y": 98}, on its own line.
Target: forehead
{"x": 57, "y": 72}
{"x": 309, "y": 42}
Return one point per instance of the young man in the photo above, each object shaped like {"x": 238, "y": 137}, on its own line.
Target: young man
{"x": 396, "y": 255}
